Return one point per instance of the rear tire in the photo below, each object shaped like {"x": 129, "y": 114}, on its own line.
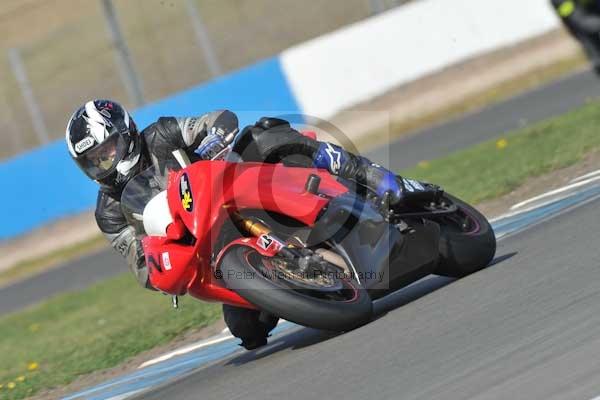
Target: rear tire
{"x": 465, "y": 250}
{"x": 290, "y": 304}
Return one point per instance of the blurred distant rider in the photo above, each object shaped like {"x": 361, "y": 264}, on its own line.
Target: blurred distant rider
{"x": 582, "y": 18}
{"x": 104, "y": 141}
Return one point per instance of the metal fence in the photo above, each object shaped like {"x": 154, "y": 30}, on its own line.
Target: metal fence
{"x": 139, "y": 50}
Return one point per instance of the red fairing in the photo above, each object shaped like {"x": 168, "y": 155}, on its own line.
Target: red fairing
{"x": 248, "y": 242}
{"x": 218, "y": 186}
{"x": 310, "y": 134}
{"x": 202, "y": 195}
{"x": 176, "y": 270}
{"x": 169, "y": 264}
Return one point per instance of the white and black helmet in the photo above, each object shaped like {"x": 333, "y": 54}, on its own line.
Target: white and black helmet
{"x": 104, "y": 141}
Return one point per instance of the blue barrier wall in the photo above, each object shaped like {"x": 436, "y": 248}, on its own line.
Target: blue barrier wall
{"x": 44, "y": 184}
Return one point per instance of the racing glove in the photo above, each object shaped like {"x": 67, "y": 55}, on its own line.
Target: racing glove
{"x": 359, "y": 169}
{"x": 213, "y": 146}
{"x": 216, "y": 145}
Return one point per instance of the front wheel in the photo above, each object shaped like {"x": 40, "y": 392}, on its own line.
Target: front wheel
{"x": 327, "y": 301}
{"x": 467, "y": 241}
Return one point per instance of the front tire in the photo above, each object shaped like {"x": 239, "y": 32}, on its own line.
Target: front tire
{"x": 320, "y": 310}
{"x": 467, "y": 241}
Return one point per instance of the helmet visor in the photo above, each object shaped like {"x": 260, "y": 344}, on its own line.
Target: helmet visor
{"x": 101, "y": 161}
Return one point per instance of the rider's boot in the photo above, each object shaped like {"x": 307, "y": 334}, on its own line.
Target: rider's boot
{"x": 359, "y": 169}
{"x": 251, "y": 326}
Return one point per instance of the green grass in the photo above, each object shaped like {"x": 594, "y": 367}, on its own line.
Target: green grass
{"x": 77, "y": 333}
{"x": 495, "y": 168}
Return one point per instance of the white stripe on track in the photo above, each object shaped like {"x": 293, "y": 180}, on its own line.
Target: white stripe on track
{"x": 554, "y": 192}
{"x": 221, "y": 337}
{"x": 187, "y": 349}
{"x": 586, "y": 176}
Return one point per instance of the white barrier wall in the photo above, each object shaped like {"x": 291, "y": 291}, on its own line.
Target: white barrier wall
{"x": 364, "y": 60}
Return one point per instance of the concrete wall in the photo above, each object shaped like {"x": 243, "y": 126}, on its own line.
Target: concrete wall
{"x": 319, "y": 78}
{"x": 44, "y": 184}
{"x": 354, "y": 64}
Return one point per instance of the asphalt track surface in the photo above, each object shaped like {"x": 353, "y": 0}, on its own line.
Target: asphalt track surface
{"x": 555, "y": 98}
{"x": 75, "y": 275}
{"x": 527, "y": 327}
{"x": 544, "y": 102}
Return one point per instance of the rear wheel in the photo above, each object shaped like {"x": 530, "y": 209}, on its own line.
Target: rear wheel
{"x": 323, "y": 298}
{"x": 467, "y": 241}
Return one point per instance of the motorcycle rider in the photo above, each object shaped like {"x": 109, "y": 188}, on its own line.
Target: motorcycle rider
{"x": 104, "y": 141}
{"x": 582, "y": 19}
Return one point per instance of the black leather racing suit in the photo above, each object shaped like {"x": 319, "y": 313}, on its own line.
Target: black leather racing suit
{"x": 582, "y": 19}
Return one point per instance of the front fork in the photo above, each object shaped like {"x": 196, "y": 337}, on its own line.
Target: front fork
{"x": 266, "y": 238}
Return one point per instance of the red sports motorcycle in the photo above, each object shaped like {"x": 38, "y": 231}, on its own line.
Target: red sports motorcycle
{"x": 297, "y": 243}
